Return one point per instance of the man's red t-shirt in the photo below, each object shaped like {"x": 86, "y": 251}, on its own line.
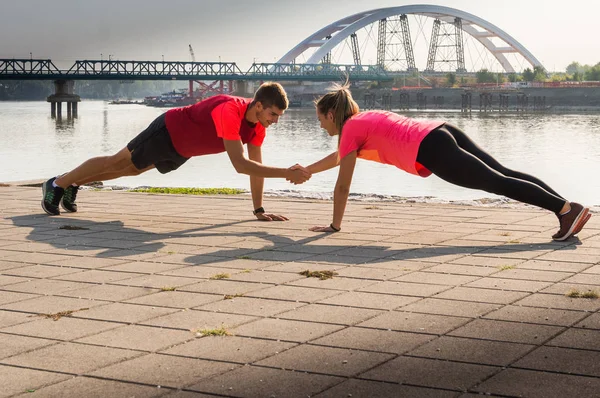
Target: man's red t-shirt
{"x": 200, "y": 129}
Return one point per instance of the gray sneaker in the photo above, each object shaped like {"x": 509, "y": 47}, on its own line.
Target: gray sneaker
{"x": 68, "y": 200}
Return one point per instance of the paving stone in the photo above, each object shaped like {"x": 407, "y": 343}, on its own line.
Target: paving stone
{"x": 224, "y": 286}
{"x": 89, "y": 387}
{"x": 413, "y": 322}
{"x": 526, "y": 383}
{"x": 417, "y": 372}
{"x": 265, "y": 277}
{"x": 556, "y": 266}
{"x": 369, "y": 300}
{"x": 294, "y": 293}
{"x": 42, "y": 271}
{"x": 193, "y": 320}
{"x": 356, "y": 388}
{"x": 279, "y": 329}
{"x": 81, "y": 359}
{"x": 175, "y": 299}
{"x": 385, "y": 341}
{"x": 562, "y": 360}
{"x": 451, "y": 307}
{"x": 481, "y": 295}
{"x": 590, "y": 322}
{"x": 436, "y": 278}
{"x": 122, "y": 312}
{"x": 559, "y": 302}
{"x": 66, "y": 328}
{"x": 5, "y": 266}
{"x": 36, "y": 258}
{"x": 109, "y": 292}
{"x": 88, "y": 262}
{"x": 48, "y": 304}
{"x": 509, "y": 284}
{"x": 473, "y": 351}
{"x": 252, "y": 381}
{"x": 578, "y": 338}
{"x": 20, "y": 380}
{"x": 10, "y": 299}
{"x": 486, "y": 261}
{"x": 404, "y": 288}
{"x": 137, "y": 337}
{"x": 48, "y": 286}
{"x": 15, "y": 345}
{"x": 370, "y": 273}
{"x": 6, "y": 280}
{"x": 507, "y": 331}
{"x": 96, "y": 276}
{"x": 544, "y": 316}
{"x": 330, "y": 314}
{"x": 565, "y": 288}
{"x": 251, "y": 306}
{"x": 143, "y": 267}
{"x": 326, "y": 360}
{"x": 229, "y": 348}
{"x": 9, "y": 318}
{"x": 163, "y": 370}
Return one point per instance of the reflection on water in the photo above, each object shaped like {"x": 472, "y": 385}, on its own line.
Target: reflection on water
{"x": 562, "y": 150}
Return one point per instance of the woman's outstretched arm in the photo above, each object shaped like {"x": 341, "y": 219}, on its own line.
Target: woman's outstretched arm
{"x": 340, "y": 194}
{"x": 328, "y": 162}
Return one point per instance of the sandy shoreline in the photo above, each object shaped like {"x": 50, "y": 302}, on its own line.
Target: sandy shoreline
{"x": 485, "y": 202}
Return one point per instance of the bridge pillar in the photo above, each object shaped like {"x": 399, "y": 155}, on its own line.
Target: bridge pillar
{"x": 63, "y": 92}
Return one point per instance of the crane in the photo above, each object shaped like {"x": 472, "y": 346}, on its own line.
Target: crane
{"x": 192, "y": 53}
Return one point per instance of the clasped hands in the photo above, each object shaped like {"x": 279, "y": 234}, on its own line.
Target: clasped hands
{"x": 298, "y": 174}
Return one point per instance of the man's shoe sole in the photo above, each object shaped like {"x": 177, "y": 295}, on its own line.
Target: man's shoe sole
{"x": 582, "y": 216}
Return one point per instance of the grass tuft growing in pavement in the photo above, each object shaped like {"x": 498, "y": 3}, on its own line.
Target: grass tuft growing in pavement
{"x": 72, "y": 228}
{"x": 220, "y": 276}
{"x": 506, "y": 267}
{"x": 590, "y": 294}
{"x": 191, "y": 191}
{"x": 222, "y": 331}
{"x": 232, "y": 296}
{"x": 168, "y": 289}
{"x": 322, "y": 275}
{"x": 58, "y": 315}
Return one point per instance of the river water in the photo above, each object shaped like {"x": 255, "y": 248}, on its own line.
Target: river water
{"x": 563, "y": 150}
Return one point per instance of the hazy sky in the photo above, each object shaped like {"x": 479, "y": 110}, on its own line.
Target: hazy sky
{"x": 557, "y": 33}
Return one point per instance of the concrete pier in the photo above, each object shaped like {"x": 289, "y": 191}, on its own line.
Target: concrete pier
{"x": 63, "y": 92}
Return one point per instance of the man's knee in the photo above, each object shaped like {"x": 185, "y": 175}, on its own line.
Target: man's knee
{"x": 119, "y": 161}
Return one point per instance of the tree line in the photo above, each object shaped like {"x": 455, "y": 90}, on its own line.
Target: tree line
{"x": 89, "y": 89}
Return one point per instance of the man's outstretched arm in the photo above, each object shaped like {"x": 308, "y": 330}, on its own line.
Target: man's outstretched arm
{"x": 242, "y": 165}
{"x": 257, "y": 187}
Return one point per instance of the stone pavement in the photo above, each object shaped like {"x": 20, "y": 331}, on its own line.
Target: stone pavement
{"x": 427, "y": 300}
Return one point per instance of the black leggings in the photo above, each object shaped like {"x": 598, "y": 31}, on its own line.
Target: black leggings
{"x": 451, "y": 155}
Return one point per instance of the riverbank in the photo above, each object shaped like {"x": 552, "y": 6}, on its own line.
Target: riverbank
{"x": 484, "y": 202}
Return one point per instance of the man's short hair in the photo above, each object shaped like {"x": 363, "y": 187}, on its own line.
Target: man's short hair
{"x": 271, "y": 94}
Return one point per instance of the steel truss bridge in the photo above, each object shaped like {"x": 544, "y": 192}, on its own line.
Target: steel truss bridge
{"x": 44, "y": 69}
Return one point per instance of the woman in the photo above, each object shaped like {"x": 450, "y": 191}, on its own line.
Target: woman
{"x": 425, "y": 147}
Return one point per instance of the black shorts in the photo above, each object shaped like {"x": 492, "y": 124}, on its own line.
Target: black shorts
{"x": 153, "y": 146}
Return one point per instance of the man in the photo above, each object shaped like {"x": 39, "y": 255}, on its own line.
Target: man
{"x": 217, "y": 124}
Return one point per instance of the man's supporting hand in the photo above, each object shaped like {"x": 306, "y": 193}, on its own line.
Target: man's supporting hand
{"x": 271, "y": 217}
{"x": 298, "y": 174}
